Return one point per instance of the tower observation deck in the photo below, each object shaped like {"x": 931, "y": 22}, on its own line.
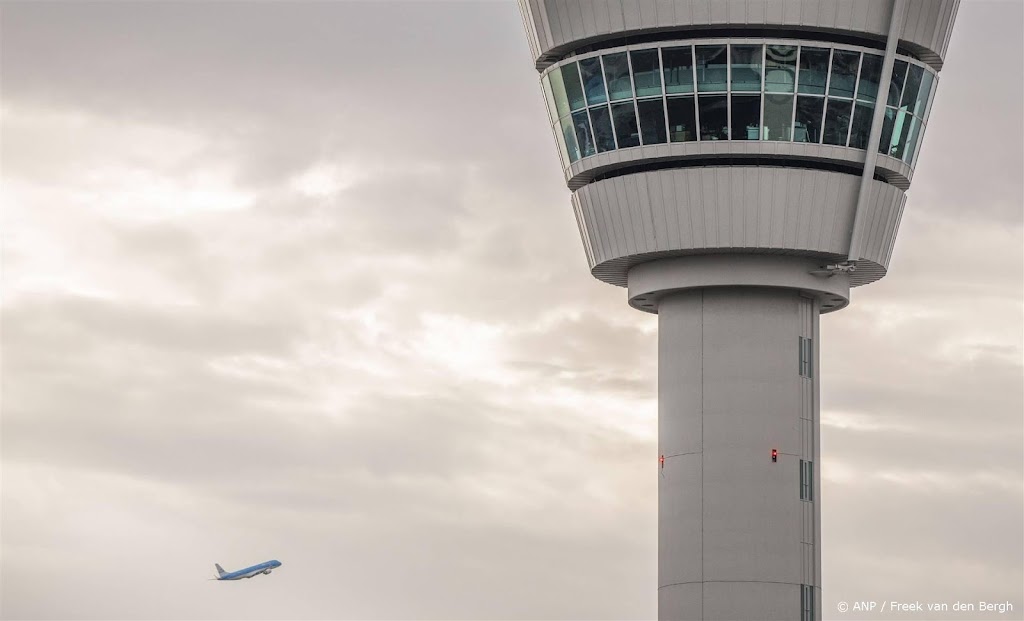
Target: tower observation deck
{"x": 738, "y": 166}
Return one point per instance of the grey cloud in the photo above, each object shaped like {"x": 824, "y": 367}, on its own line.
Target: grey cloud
{"x": 256, "y": 379}
{"x": 974, "y": 132}
{"x": 289, "y": 85}
{"x": 260, "y": 450}
{"x": 911, "y": 544}
{"x": 59, "y": 322}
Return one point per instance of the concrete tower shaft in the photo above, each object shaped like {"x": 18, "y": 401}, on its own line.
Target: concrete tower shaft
{"x": 737, "y": 535}
{"x": 738, "y": 165}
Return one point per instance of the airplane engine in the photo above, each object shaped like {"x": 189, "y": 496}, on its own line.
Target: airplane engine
{"x": 266, "y": 571}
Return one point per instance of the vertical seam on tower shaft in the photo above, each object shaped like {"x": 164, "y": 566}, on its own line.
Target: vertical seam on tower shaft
{"x": 815, "y": 461}
{"x": 701, "y": 453}
{"x": 815, "y": 329}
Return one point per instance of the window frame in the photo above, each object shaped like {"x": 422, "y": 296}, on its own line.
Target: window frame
{"x": 806, "y": 357}
{"x": 807, "y": 480}
{"x": 806, "y": 602}
{"x": 922, "y": 107}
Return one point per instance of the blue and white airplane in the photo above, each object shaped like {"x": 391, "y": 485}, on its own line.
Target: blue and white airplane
{"x": 248, "y": 572}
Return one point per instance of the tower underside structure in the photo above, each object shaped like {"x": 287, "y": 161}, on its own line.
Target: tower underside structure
{"x": 738, "y": 165}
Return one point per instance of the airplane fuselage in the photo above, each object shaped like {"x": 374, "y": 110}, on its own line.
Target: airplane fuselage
{"x": 248, "y": 572}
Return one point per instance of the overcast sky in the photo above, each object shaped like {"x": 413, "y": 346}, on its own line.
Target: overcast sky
{"x": 301, "y": 281}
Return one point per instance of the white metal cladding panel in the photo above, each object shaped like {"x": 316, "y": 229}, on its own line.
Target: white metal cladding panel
{"x": 665, "y": 10}
{"x": 559, "y": 24}
{"x": 737, "y": 217}
{"x": 589, "y": 19}
{"x": 659, "y": 214}
{"x": 928, "y": 23}
{"x": 550, "y": 9}
{"x": 712, "y": 209}
{"x": 895, "y": 230}
{"x": 570, "y": 21}
{"x": 581, "y": 222}
{"x": 602, "y": 18}
{"x": 880, "y": 222}
{"x": 649, "y": 13}
{"x": 709, "y": 202}
{"x": 531, "y": 23}
{"x": 634, "y": 233}
{"x": 946, "y": 26}
{"x": 618, "y": 213}
{"x": 596, "y": 210}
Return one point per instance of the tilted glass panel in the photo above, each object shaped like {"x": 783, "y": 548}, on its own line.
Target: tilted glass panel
{"x": 602, "y": 122}
{"x": 593, "y": 81}
{"x": 900, "y": 133}
{"x": 569, "y": 139}
{"x": 746, "y": 117}
{"x": 780, "y": 68}
{"x": 563, "y": 152}
{"x": 616, "y": 74}
{"x": 807, "y": 126}
{"x": 915, "y": 134}
{"x": 678, "y": 63}
{"x": 712, "y": 70}
{"x": 652, "y": 120}
{"x": 746, "y": 67}
{"x": 844, "y": 73}
{"x": 714, "y": 117}
{"x": 549, "y": 98}
{"x": 914, "y": 77}
{"x": 682, "y": 121}
{"x": 583, "y": 135}
{"x": 888, "y": 122}
{"x": 920, "y": 106}
{"x": 646, "y": 72}
{"x": 899, "y": 72}
{"x": 813, "y": 70}
{"x": 870, "y": 75}
{"x": 573, "y": 88}
{"x": 861, "y": 127}
{"x": 837, "y": 121}
{"x": 778, "y": 117}
{"x": 624, "y": 119}
{"x": 558, "y": 92}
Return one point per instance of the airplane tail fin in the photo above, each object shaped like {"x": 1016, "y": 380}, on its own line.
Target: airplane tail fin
{"x": 220, "y": 570}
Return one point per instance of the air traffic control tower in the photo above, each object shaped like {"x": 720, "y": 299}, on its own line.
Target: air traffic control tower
{"x": 738, "y": 166}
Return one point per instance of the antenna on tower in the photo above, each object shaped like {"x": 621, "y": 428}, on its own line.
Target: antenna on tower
{"x": 828, "y": 271}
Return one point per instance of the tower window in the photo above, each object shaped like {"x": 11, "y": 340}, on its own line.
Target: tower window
{"x": 806, "y": 602}
{"x": 786, "y": 93}
{"x": 806, "y": 480}
{"x": 806, "y": 349}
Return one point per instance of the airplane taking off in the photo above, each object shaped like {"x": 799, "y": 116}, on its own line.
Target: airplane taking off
{"x": 248, "y": 572}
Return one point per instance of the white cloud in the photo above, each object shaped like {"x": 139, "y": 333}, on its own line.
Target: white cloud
{"x": 324, "y": 180}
